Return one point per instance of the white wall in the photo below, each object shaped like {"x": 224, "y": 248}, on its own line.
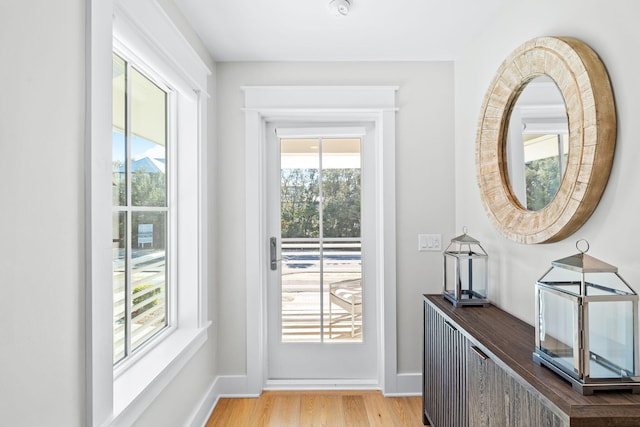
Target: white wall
{"x": 424, "y": 144}
{"x": 42, "y": 252}
{"x": 42, "y": 213}
{"x": 611, "y": 29}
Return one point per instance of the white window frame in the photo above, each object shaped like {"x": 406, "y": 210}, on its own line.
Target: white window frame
{"x": 170, "y": 209}
{"x": 142, "y": 31}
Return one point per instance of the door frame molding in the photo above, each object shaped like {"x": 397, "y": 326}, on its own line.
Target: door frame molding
{"x": 374, "y": 104}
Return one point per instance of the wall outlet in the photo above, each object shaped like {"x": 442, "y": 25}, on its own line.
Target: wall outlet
{"x": 429, "y": 242}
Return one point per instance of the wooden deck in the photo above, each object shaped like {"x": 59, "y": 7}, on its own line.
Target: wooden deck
{"x": 301, "y": 319}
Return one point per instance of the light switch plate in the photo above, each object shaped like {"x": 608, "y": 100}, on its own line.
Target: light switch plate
{"x": 429, "y": 242}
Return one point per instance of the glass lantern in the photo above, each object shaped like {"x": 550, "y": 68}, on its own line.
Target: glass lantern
{"x": 585, "y": 323}
{"x": 465, "y": 272}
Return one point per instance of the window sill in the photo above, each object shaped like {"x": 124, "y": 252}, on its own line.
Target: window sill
{"x": 136, "y": 387}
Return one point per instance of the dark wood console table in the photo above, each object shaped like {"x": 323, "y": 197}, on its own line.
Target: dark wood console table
{"x": 478, "y": 371}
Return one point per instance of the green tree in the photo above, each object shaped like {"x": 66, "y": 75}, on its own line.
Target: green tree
{"x": 543, "y": 180}
{"x": 300, "y": 201}
{"x": 341, "y": 214}
{"x": 148, "y": 188}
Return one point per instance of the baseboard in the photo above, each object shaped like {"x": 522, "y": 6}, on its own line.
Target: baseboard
{"x": 205, "y": 407}
{"x": 407, "y": 385}
{"x": 222, "y": 386}
{"x": 320, "y": 384}
{"x": 237, "y": 386}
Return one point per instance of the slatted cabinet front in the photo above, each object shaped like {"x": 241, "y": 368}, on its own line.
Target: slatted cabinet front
{"x": 463, "y": 386}
{"x": 445, "y": 391}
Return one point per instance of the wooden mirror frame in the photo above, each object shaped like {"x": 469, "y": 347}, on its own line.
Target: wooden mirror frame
{"x": 584, "y": 83}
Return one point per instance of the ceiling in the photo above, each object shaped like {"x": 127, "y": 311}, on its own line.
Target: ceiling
{"x": 306, "y": 30}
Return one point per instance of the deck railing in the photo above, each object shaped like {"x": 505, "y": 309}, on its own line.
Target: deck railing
{"x": 309, "y": 267}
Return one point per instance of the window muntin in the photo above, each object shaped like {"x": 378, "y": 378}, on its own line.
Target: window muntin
{"x": 140, "y": 209}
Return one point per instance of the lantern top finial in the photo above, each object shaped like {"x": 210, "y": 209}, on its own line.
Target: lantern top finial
{"x": 583, "y": 263}
{"x": 586, "y": 249}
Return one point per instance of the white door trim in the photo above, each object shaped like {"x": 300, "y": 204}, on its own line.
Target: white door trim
{"x": 327, "y": 104}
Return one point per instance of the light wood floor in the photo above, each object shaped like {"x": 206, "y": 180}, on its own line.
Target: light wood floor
{"x": 318, "y": 408}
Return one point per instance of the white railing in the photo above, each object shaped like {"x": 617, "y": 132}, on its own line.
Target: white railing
{"x": 309, "y": 267}
{"x": 148, "y": 303}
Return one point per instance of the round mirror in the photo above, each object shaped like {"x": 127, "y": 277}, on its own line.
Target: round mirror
{"x": 537, "y": 144}
{"x": 584, "y": 86}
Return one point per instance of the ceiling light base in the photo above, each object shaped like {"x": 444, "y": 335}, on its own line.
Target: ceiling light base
{"x": 340, "y": 7}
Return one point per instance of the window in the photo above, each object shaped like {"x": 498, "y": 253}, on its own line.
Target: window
{"x": 146, "y": 248}
{"x": 140, "y": 209}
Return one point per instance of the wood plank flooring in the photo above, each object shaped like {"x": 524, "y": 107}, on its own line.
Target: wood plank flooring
{"x": 318, "y": 409}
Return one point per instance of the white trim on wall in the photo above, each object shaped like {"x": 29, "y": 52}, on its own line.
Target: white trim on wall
{"x": 327, "y": 104}
{"x": 98, "y": 126}
{"x": 158, "y": 43}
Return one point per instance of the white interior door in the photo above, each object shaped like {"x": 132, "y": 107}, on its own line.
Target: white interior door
{"x": 321, "y": 296}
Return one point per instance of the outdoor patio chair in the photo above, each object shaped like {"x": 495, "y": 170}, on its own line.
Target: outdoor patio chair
{"x": 346, "y": 294}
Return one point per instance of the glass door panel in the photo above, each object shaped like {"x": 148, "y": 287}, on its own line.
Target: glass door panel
{"x": 321, "y": 274}
{"x": 301, "y": 276}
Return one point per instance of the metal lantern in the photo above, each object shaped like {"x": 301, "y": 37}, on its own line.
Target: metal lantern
{"x": 586, "y": 323}
{"x": 465, "y": 272}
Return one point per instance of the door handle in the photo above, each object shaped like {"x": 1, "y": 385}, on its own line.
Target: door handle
{"x": 273, "y": 253}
